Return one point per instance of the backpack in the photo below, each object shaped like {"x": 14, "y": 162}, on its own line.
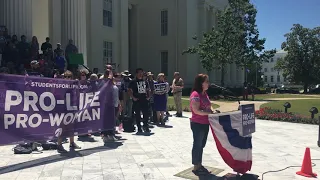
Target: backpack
{"x": 49, "y": 145}
{"x": 26, "y": 148}
{"x": 127, "y": 124}
{"x": 22, "y": 149}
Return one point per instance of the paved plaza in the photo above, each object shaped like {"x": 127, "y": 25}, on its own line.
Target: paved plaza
{"x": 163, "y": 154}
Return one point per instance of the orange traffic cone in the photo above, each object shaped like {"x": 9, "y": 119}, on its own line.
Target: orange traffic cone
{"x": 306, "y": 169}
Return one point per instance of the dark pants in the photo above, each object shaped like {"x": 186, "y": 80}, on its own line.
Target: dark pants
{"x": 152, "y": 113}
{"x": 138, "y": 107}
{"x": 200, "y": 134}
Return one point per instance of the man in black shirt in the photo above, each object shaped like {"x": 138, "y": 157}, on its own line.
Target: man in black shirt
{"x": 139, "y": 91}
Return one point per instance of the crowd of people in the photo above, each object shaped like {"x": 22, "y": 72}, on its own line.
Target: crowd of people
{"x": 139, "y": 100}
{"x": 133, "y": 96}
{"x": 18, "y": 56}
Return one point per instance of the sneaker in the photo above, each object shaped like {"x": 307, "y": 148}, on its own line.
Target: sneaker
{"x": 105, "y": 139}
{"x": 162, "y": 122}
{"x": 61, "y": 149}
{"x": 74, "y": 146}
{"x": 65, "y": 140}
{"x": 112, "y": 138}
{"x": 202, "y": 171}
{"x": 146, "y": 129}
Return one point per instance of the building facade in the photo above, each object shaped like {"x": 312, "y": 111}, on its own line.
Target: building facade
{"x": 151, "y": 34}
{"x": 271, "y": 76}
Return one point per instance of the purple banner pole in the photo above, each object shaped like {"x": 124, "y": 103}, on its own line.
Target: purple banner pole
{"x": 39, "y": 109}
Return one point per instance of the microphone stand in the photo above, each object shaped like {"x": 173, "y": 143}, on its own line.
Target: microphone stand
{"x": 230, "y": 92}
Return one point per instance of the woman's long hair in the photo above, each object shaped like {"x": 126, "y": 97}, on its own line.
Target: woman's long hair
{"x": 198, "y": 81}
{"x": 34, "y": 40}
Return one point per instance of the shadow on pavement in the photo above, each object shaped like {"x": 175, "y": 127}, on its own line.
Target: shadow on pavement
{"x": 214, "y": 177}
{"x": 165, "y": 126}
{"x": 58, "y": 157}
{"x": 209, "y": 177}
{"x": 86, "y": 139}
{"x": 143, "y": 134}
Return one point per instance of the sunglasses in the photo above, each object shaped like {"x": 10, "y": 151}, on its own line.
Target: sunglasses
{"x": 68, "y": 77}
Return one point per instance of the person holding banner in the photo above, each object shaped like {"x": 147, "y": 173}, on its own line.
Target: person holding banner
{"x": 200, "y": 106}
{"x": 69, "y": 76}
{"x": 109, "y": 135}
{"x": 160, "y": 98}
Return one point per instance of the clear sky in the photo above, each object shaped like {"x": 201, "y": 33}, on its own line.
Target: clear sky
{"x": 276, "y": 17}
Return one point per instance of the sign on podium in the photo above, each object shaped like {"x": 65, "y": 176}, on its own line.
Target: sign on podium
{"x": 248, "y": 119}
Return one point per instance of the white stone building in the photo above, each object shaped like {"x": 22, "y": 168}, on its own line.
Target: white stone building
{"x": 272, "y": 76}
{"x": 151, "y": 34}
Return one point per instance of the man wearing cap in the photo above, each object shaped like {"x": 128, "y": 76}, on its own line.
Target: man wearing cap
{"x": 127, "y": 101}
{"x": 58, "y": 52}
{"x": 177, "y": 86}
{"x": 35, "y": 69}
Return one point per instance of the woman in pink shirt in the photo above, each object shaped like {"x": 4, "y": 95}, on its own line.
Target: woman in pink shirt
{"x": 200, "y": 106}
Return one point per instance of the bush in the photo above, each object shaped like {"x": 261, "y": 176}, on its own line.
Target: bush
{"x": 277, "y": 115}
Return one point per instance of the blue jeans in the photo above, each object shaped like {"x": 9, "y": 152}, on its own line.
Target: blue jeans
{"x": 200, "y": 134}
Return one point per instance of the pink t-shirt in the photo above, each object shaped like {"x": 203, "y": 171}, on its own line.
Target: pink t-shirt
{"x": 205, "y": 105}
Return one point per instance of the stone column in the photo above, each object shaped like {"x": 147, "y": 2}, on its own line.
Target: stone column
{"x": 74, "y": 25}
{"x": 124, "y": 35}
{"x": 55, "y": 25}
{"x": 16, "y": 15}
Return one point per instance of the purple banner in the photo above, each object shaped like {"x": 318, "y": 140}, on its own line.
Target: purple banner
{"x": 37, "y": 109}
{"x": 248, "y": 119}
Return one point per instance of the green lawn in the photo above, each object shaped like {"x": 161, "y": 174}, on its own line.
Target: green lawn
{"x": 263, "y": 97}
{"x": 301, "y": 107}
{"x": 185, "y": 104}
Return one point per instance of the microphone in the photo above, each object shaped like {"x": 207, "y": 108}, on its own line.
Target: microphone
{"x": 228, "y": 91}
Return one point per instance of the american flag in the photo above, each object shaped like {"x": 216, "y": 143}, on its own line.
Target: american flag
{"x": 235, "y": 149}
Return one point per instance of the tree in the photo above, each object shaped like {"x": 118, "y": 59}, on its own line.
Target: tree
{"x": 302, "y": 62}
{"x": 234, "y": 40}
{"x": 254, "y": 74}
